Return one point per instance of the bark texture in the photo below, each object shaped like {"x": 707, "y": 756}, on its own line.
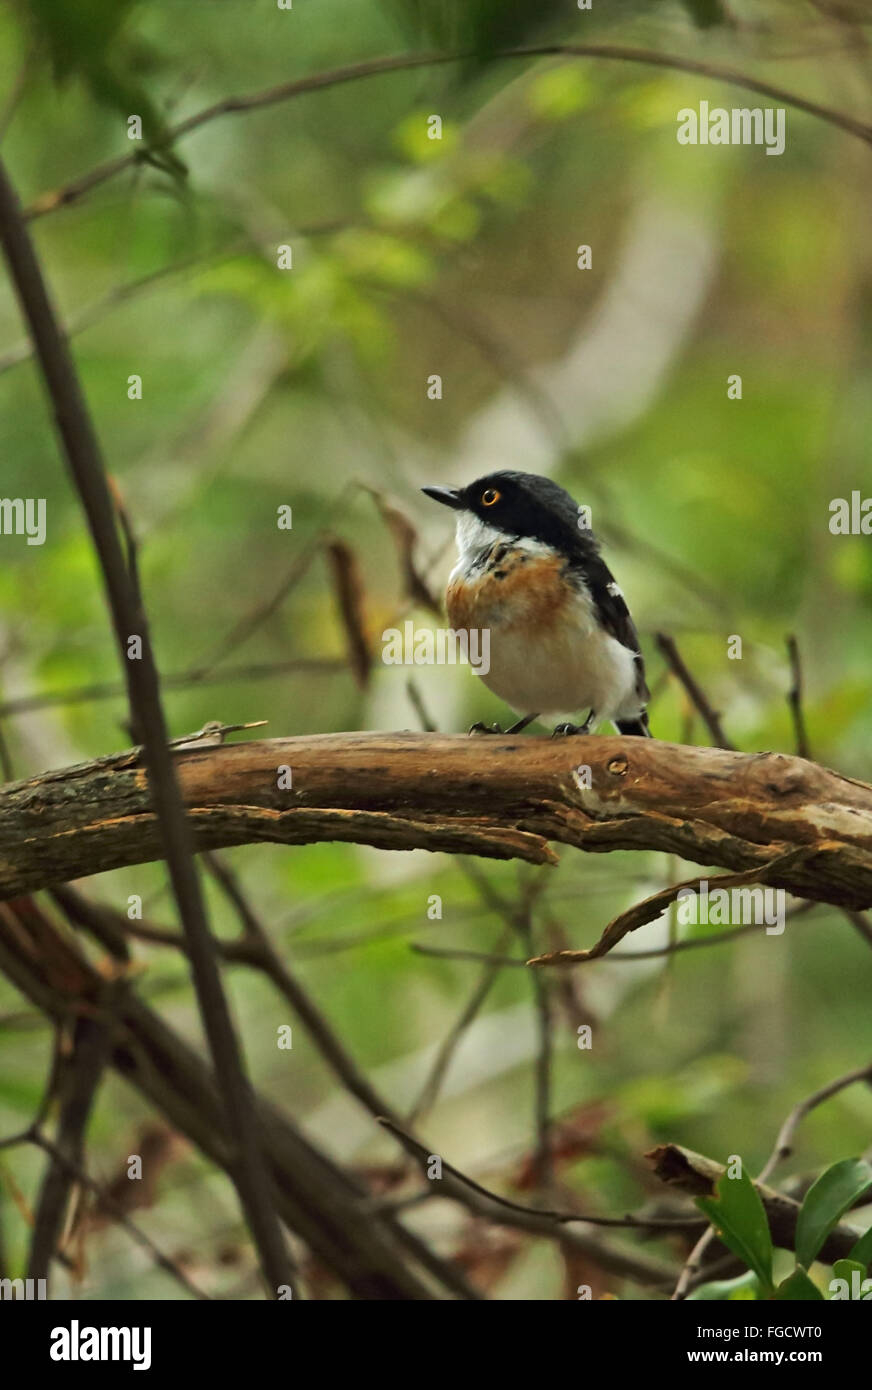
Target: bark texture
{"x": 806, "y": 829}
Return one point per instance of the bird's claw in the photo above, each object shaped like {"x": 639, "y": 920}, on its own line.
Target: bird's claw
{"x": 479, "y": 728}
{"x": 568, "y": 730}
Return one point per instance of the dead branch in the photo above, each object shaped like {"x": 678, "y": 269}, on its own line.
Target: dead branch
{"x": 698, "y": 1175}
{"x": 374, "y": 1257}
{"x": 494, "y": 797}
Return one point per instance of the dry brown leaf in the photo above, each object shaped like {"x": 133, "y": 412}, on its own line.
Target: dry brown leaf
{"x": 486, "y": 1255}
{"x": 405, "y": 539}
{"x": 349, "y": 590}
{"x": 576, "y": 1136}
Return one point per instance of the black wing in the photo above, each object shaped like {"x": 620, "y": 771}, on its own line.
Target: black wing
{"x": 611, "y": 607}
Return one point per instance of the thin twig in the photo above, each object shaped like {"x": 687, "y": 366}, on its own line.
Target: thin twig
{"x": 674, "y": 948}
{"x": 117, "y": 1213}
{"x": 641, "y": 913}
{"x": 93, "y": 313}
{"x": 263, "y": 955}
{"x": 552, "y": 1225}
{"x": 860, "y": 923}
{"x": 246, "y": 626}
{"x": 422, "y": 1155}
{"x": 59, "y": 1047}
{"x": 784, "y": 1143}
{"x": 484, "y": 957}
{"x": 83, "y": 455}
{"x": 90, "y": 314}
{"x": 794, "y": 699}
{"x": 518, "y": 920}
{"x": 666, "y": 645}
{"x": 447, "y": 1048}
{"x": 285, "y": 91}
{"x": 692, "y": 1265}
{"x": 416, "y": 700}
{"x": 17, "y": 91}
{"x": 7, "y": 766}
{"x": 542, "y": 1158}
{"x": 180, "y": 680}
{"x": 433, "y": 1082}
{"x": 315, "y": 1197}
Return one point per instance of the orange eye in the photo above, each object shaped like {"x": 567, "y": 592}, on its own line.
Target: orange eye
{"x": 489, "y": 497}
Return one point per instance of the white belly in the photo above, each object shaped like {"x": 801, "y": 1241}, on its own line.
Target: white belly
{"x": 574, "y": 667}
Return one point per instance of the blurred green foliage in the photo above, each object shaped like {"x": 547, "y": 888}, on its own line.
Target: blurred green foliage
{"x": 91, "y": 41}
{"x": 262, "y": 388}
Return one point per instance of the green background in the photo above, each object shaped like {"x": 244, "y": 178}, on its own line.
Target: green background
{"x": 264, "y": 388}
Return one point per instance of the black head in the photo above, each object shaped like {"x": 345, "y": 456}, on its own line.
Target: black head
{"x": 519, "y": 504}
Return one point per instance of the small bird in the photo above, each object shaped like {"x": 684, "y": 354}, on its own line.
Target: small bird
{"x": 529, "y": 570}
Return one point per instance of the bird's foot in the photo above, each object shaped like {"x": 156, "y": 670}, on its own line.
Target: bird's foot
{"x": 568, "y": 730}
{"x": 480, "y": 728}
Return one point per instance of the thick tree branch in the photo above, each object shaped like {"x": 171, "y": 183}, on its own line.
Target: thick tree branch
{"x": 500, "y": 798}
{"x": 376, "y": 1257}
{"x": 81, "y": 1074}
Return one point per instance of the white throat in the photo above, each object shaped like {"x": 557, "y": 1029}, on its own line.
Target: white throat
{"x": 474, "y": 537}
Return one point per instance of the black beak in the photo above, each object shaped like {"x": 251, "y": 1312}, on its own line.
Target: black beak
{"x": 448, "y": 496}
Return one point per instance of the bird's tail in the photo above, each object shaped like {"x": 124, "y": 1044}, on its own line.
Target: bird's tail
{"x": 637, "y": 727}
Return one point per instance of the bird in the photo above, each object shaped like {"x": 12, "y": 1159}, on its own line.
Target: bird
{"x": 529, "y": 571}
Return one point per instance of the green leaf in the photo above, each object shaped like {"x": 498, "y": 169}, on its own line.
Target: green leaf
{"x": 485, "y": 25}
{"x": 739, "y": 1217}
{"x": 744, "y": 1286}
{"x": 477, "y": 25}
{"x": 797, "y": 1287}
{"x": 837, "y": 1189}
{"x": 79, "y": 36}
{"x": 706, "y": 13}
{"x": 862, "y": 1251}
{"x": 91, "y": 40}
